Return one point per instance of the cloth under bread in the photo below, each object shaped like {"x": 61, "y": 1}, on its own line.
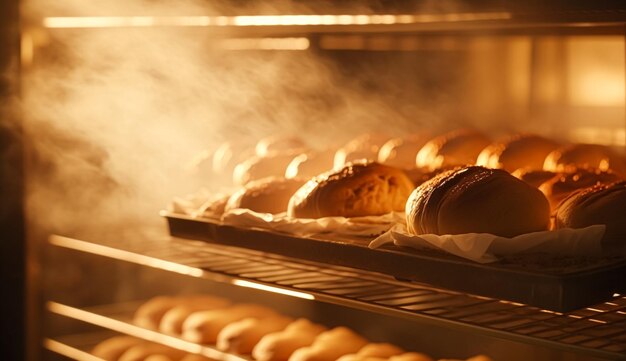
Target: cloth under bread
{"x": 486, "y": 248}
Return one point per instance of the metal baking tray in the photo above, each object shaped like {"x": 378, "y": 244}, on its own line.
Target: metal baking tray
{"x": 556, "y": 283}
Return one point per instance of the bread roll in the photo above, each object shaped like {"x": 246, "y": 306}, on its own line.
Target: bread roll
{"x": 585, "y": 156}
{"x": 518, "y": 151}
{"x": 479, "y": 358}
{"x": 204, "y": 326}
{"x": 279, "y": 346}
{"x": 365, "y": 146}
{"x": 267, "y": 195}
{"x": 358, "y": 189}
{"x": 262, "y": 167}
{"x": 172, "y": 321}
{"x": 559, "y": 187}
{"x": 373, "y": 350}
{"x": 150, "y": 313}
{"x": 142, "y": 351}
{"x": 411, "y": 356}
{"x": 111, "y": 349}
{"x": 534, "y": 177}
{"x": 601, "y": 204}
{"x": 401, "y": 152}
{"x": 241, "y": 336}
{"x": 159, "y": 358}
{"x": 460, "y": 147}
{"x": 228, "y": 155}
{"x": 477, "y": 200}
{"x": 279, "y": 143}
{"x": 308, "y": 165}
{"x": 192, "y": 357}
{"x": 330, "y": 345}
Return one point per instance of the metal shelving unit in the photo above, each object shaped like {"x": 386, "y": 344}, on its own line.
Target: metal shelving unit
{"x": 598, "y": 331}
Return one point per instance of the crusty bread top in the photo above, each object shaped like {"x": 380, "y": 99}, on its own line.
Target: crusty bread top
{"x": 401, "y": 152}
{"x": 456, "y": 148}
{"x": 517, "y": 151}
{"x": 559, "y": 187}
{"x": 534, "y": 177}
{"x": 267, "y": 195}
{"x": 586, "y": 156}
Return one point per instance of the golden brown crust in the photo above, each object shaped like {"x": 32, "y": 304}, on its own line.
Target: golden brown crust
{"x": 330, "y": 345}
{"x": 518, "y": 151}
{"x": 534, "y": 177}
{"x": 365, "y": 146}
{"x": 401, "y": 152}
{"x": 267, "y": 195}
{"x": 456, "y": 148}
{"x": 308, "y": 165}
{"x": 240, "y": 337}
{"x": 256, "y": 167}
{"x": 600, "y": 204}
{"x": 279, "y": 346}
{"x": 112, "y": 348}
{"x": 358, "y": 189}
{"x": 411, "y": 356}
{"x": 559, "y": 187}
{"x": 477, "y": 200}
{"x": 585, "y": 156}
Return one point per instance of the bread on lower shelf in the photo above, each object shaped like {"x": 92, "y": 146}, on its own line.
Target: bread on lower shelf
{"x": 330, "y": 345}
{"x": 279, "y": 346}
{"x": 241, "y": 336}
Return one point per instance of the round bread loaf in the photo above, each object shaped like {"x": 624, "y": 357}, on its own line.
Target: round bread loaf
{"x": 192, "y": 357}
{"x": 401, "y": 152}
{"x": 460, "y": 147}
{"x": 254, "y": 168}
{"x": 268, "y": 195}
{"x": 149, "y": 314}
{"x": 411, "y": 356}
{"x": 279, "y": 346}
{"x": 373, "y": 351}
{"x": 240, "y": 337}
{"x": 279, "y": 143}
{"x": 601, "y": 204}
{"x": 112, "y": 348}
{"x": 559, "y": 187}
{"x": 172, "y": 321}
{"x": 358, "y": 189}
{"x": 518, "y": 151}
{"x": 365, "y": 146}
{"x": 330, "y": 345}
{"x": 308, "y": 165}
{"x": 585, "y": 156}
{"x": 534, "y": 177}
{"x": 142, "y": 351}
{"x": 477, "y": 200}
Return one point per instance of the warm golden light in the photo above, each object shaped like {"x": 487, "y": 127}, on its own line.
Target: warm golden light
{"x": 265, "y": 44}
{"x": 27, "y": 49}
{"x": 264, "y": 20}
{"x": 263, "y": 287}
{"x": 68, "y": 351}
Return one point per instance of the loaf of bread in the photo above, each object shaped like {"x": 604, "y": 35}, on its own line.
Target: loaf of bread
{"x": 149, "y": 314}
{"x": 172, "y": 321}
{"x": 159, "y": 358}
{"x": 585, "y": 156}
{"x": 601, "y": 204}
{"x": 534, "y": 177}
{"x": 456, "y": 148}
{"x": 518, "y": 151}
{"x": 142, "y": 351}
{"x": 279, "y": 143}
{"x": 373, "y": 350}
{"x": 559, "y": 187}
{"x": 192, "y": 357}
{"x": 228, "y": 155}
{"x": 267, "y": 195}
{"x": 308, "y": 165}
{"x": 402, "y": 152}
{"x": 204, "y": 326}
{"x": 479, "y": 358}
{"x": 358, "y": 189}
{"x": 365, "y": 146}
{"x": 111, "y": 349}
{"x": 330, "y": 345}
{"x": 241, "y": 336}
{"x": 411, "y": 356}
{"x": 273, "y": 165}
{"x": 477, "y": 200}
{"x": 279, "y": 346}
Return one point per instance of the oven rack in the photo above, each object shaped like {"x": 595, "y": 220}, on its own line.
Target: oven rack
{"x": 598, "y": 331}
{"x": 76, "y": 347}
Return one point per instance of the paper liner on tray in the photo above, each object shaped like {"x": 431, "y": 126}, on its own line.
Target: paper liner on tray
{"x": 357, "y": 226}
{"x": 485, "y": 248}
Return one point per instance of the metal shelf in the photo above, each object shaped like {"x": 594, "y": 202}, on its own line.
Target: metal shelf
{"x": 77, "y": 347}
{"x": 598, "y": 331}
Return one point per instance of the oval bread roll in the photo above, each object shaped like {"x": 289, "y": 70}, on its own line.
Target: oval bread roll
{"x": 559, "y": 187}
{"x": 365, "y": 146}
{"x": 330, "y": 345}
{"x": 456, "y": 148}
{"x": 518, "y": 151}
{"x": 585, "y": 156}
{"x": 149, "y": 314}
{"x": 279, "y": 346}
{"x": 411, "y": 356}
{"x": 401, "y": 152}
{"x": 172, "y": 321}
{"x": 373, "y": 351}
{"x": 192, "y": 357}
{"x": 358, "y": 189}
{"x": 267, "y": 195}
{"x": 204, "y": 326}
{"x": 241, "y": 336}
{"x": 278, "y": 143}
{"x": 477, "y": 200}
{"x": 601, "y": 204}
{"x": 534, "y": 177}
{"x": 158, "y": 358}
{"x": 308, "y": 165}
{"x": 111, "y": 349}
{"x": 142, "y": 351}
{"x": 273, "y": 165}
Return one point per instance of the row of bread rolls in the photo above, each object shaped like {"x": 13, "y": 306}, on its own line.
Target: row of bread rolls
{"x": 255, "y": 330}
{"x": 128, "y": 348}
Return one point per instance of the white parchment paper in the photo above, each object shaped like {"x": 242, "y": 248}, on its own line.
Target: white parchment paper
{"x": 485, "y": 248}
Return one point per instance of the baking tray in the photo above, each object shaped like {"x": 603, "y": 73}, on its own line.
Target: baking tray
{"x": 556, "y": 283}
